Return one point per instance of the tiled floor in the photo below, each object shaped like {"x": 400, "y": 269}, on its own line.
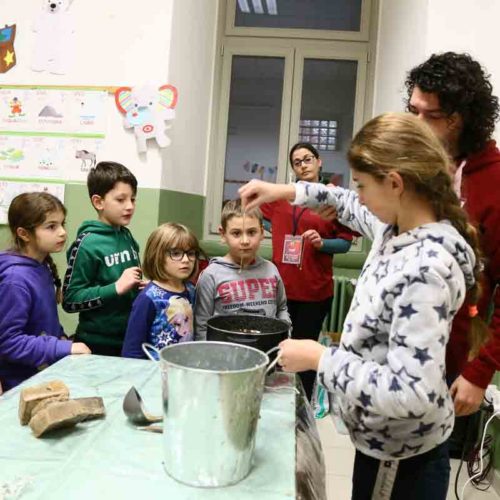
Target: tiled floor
{"x": 339, "y": 460}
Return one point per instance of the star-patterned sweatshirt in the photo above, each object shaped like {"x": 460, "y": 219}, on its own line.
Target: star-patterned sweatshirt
{"x": 389, "y": 370}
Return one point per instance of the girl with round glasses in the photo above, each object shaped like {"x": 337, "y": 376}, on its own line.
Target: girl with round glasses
{"x": 162, "y": 314}
{"x": 303, "y": 248}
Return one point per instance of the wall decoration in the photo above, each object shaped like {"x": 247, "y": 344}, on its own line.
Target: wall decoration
{"x": 88, "y": 159}
{"x": 7, "y": 52}
{"x": 146, "y": 109}
{"x": 54, "y": 40}
{"x": 50, "y": 133}
{"x": 16, "y": 108}
{"x": 9, "y": 190}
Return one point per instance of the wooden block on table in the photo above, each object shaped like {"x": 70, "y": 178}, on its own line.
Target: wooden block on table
{"x": 31, "y": 396}
{"x": 66, "y": 414}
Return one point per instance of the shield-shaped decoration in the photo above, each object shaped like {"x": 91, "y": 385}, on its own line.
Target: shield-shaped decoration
{"x": 7, "y": 53}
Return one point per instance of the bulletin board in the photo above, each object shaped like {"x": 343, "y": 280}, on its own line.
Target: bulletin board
{"x": 51, "y": 132}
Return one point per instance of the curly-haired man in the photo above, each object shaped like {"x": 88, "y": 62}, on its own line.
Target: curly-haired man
{"x": 453, "y": 94}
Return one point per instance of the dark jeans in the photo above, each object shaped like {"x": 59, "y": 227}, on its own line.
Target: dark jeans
{"x": 307, "y": 320}
{"x": 423, "y": 477}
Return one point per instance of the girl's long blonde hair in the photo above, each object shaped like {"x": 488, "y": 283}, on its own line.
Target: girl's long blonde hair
{"x": 402, "y": 143}
{"x": 166, "y": 237}
{"x": 28, "y": 211}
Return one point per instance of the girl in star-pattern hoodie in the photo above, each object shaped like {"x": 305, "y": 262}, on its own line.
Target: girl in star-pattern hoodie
{"x": 389, "y": 371}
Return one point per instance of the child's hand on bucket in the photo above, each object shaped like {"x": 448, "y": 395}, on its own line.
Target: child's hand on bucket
{"x": 300, "y": 355}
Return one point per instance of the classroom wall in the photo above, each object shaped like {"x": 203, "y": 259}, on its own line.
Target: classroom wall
{"x": 115, "y": 46}
{"x": 191, "y": 69}
{"x": 120, "y": 45}
{"x": 409, "y": 32}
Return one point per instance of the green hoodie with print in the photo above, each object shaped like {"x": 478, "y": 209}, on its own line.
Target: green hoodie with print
{"x": 96, "y": 260}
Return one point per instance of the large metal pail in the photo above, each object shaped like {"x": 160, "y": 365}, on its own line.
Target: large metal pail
{"x": 211, "y": 398}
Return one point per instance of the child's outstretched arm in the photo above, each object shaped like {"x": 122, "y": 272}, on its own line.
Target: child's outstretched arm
{"x": 139, "y": 325}
{"x": 349, "y": 211}
{"x": 16, "y": 344}
{"x": 204, "y": 305}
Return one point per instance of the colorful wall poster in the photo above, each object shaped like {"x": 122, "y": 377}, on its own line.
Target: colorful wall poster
{"x": 10, "y": 189}
{"x": 53, "y": 110}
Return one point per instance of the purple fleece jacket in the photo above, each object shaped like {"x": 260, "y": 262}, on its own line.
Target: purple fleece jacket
{"x": 29, "y": 325}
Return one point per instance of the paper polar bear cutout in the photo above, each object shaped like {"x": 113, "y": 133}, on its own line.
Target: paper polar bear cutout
{"x": 54, "y": 28}
{"x": 146, "y": 109}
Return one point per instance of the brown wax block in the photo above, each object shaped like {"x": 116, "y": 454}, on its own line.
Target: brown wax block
{"x": 56, "y": 416}
{"x": 31, "y": 396}
{"x": 46, "y": 402}
{"x": 66, "y": 414}
{"x": 93, "y": 407}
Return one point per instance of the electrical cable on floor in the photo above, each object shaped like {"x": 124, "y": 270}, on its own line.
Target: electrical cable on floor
{"x": 479, "y": 453}
{"x": 487, "y": 408}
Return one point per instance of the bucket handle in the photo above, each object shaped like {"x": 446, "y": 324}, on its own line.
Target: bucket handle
{"x": 273, "y": 363}
{"x": 147, "y": 348}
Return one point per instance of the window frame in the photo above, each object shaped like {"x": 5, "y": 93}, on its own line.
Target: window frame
{"x": 294, "y": 55}
{"x": 361, "y": 36}
{"x": 240, "y": 47}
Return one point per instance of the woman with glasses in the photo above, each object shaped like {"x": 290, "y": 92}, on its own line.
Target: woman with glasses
{"x": 162, "y": 313}
{"x": 303, "y": 248}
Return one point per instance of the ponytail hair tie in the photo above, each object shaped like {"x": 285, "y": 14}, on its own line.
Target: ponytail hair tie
{"x": 57, "y": 282}
{"x": 473, "y": 311}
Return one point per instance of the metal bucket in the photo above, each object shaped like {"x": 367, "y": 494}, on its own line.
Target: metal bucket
{"x": 211, "y": 398}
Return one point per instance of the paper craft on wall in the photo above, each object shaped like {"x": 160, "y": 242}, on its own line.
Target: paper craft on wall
{"x": 146, "y": 110}
{"x": 7, "y": 52}
{"x": 54, "y": 29}
{"x": 51, "y": 133}
{"x": 9, "y": 190}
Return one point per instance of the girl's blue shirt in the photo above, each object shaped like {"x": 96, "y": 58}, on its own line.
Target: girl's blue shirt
{"x": 159, "y": 317}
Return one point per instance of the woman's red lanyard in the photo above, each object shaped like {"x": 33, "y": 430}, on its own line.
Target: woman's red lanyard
{"x": 296, "y": 219}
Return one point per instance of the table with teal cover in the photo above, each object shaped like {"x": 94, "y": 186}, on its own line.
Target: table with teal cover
{"x": 110, "y": 459}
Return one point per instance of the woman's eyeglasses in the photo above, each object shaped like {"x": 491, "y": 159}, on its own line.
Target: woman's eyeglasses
{"x": 307, "y": 160}
{"x": 178, "y": 254}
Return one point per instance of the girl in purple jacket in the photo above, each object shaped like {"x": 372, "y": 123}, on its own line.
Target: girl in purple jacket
{"x": 30, "y": 333}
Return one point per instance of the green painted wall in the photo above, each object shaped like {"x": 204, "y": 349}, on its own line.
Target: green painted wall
{"x": 182, "y": 207}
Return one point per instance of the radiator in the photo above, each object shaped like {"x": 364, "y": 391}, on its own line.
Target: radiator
{"x": 343, "y": 291}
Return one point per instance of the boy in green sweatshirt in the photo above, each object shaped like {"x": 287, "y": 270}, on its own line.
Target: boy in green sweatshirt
{"x": 103, "y": 263}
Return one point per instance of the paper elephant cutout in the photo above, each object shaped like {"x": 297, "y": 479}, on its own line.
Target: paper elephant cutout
{"x": 146, "y": 110}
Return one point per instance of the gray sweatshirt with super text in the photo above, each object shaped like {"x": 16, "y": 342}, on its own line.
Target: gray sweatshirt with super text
{"x": 225, "y": 288}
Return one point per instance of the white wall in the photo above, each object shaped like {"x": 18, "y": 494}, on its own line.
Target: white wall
{"x": 401, "y": 41}
{"x": 191, "y": 70}
{"x": 410, "y": 31}
{"x": 116, "y": 44}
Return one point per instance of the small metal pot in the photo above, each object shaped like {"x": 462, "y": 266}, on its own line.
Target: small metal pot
{"x": 248, "y": 329}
